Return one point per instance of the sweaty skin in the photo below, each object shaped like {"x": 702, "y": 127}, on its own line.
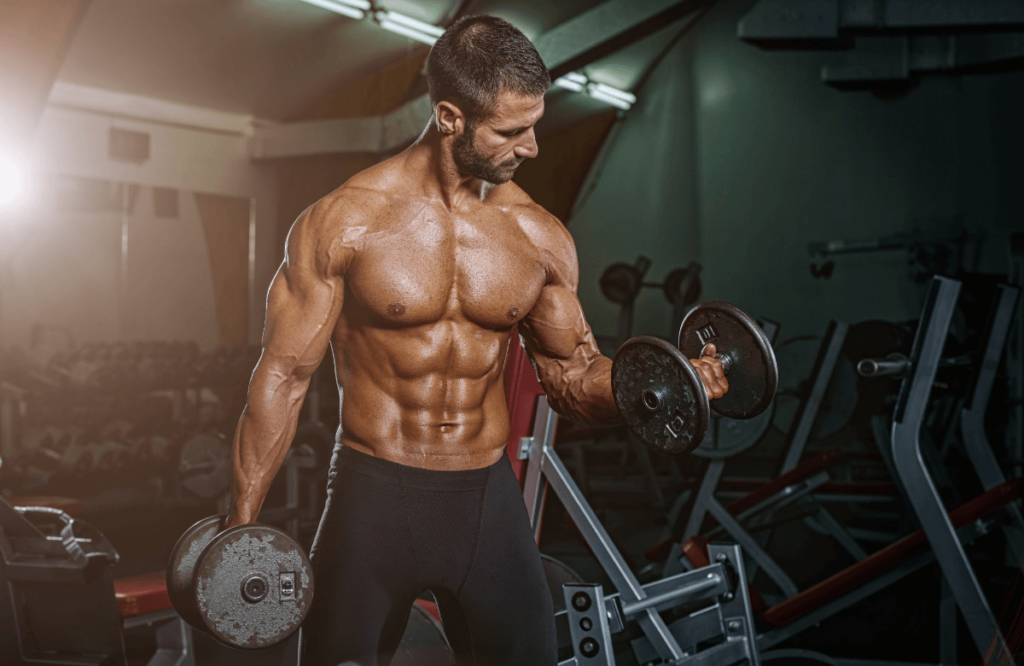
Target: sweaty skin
{"x": 416, "y": 275}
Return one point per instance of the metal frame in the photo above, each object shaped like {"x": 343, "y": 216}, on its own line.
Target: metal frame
{"x": 642, "y": 603}
{"x": 972, "y": 417}
{"x": 921, "y": 491}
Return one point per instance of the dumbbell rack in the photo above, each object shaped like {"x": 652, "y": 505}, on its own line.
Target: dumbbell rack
{"x": 634, "y": 601}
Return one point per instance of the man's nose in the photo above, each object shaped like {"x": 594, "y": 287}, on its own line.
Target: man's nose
{"x": 527, "y": 147}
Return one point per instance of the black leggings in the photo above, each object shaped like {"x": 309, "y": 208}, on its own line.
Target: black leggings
{"x": 390, "y": 532}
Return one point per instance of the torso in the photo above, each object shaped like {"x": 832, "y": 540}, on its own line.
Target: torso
{"x": 432, "y": 297}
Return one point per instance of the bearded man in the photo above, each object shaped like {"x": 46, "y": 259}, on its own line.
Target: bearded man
{"x": 416, "y": 273}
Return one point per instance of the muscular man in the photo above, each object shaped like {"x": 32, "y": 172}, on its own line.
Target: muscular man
{"x": 417, "y": 272}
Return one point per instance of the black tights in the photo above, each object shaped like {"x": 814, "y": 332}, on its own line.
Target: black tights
{"x": 389, "y": 532}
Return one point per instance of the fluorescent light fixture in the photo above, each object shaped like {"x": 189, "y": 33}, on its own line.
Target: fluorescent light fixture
{"x": 410, "y": 27}
{"x": 573, "y": 81}
{"x": 608, "y": 99}
{"x": 352, "y": 8}
{"x": 12, "y": 182}
{"x": 568, "y": 84}
{"x": 608, "y": 91}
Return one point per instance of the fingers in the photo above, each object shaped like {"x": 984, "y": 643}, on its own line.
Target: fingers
{"x": 709, "y": 350}
{"x": 712, "y": 375}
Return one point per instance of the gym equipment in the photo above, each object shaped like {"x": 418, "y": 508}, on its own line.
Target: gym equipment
{"x": 946, "y": 534}
{"x": 249, "y": 586}
{"x": 724, "y": 634}
{"x": 621, "y": 283}
{"x": 204, "y": 465}
{"x": 744, "y": 350}
{"x": 660, "y": 394}
{"x": 58, "y": 606}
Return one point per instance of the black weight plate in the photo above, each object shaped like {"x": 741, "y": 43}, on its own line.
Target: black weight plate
{"x": 729, "y": 437}
{"x": 424, "y": 642}
{"x": 754, "y": 376}
{"x": 234, "y": 557}
{"x": 558, "y": 574}
{"x": 181, "y": 567}
{"x": 678, "y": 424}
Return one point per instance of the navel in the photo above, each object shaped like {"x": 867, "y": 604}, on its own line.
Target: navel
{"x": 513, "y": 313}
{"x": 396, "y": 310}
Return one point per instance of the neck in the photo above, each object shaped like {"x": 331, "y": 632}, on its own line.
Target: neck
{"x": 434, "y": 150}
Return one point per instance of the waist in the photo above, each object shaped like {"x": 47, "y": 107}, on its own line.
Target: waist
{"x": 347, "y": 459}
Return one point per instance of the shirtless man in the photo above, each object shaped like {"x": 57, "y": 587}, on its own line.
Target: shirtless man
{"x": 417, "y": 272}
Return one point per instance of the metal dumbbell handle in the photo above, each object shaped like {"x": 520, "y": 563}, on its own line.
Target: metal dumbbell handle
{"x": 893, "y": 365}
{"x": 897, "y": 365}
{"x": 652, "y": 399}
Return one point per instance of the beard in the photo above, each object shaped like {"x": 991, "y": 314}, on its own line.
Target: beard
{"x": 470, "y": 160}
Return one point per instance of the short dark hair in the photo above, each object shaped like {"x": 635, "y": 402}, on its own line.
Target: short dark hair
{"x": 479, "y": 57}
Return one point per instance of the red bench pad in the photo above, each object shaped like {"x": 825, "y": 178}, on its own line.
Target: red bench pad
{"x": 886, "y": 559}
{"x": 143, "y": 594}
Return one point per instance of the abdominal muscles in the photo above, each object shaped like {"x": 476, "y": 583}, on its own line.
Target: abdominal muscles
{"x": 427, "y": 396}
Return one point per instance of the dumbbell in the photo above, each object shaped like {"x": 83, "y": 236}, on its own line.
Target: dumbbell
{"x": 660, "y": 394}
{"x": 248, "y": 586}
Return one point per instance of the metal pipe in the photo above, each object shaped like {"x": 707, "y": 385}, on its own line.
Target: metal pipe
{"x": 632, "y": 608}
{"x": 893, "y": 365}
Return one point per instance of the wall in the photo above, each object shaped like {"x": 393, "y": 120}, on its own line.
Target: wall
{"x": 63, "y": 266}
{"x": 780, "y": 159}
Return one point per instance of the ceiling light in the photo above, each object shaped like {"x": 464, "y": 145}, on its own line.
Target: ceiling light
{"x": 410, "y": 27}
{"x": 573, "y": 81}
{"x": 352, "y": 8}
{"x": 12, "y": 183}
{"x": 608, "y": 91}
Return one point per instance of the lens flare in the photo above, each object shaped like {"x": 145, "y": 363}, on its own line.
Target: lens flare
{"x": 11, "y": 181}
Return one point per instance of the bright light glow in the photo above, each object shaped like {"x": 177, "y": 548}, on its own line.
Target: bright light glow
{"x": 614, "y": 100}
{"x": 350, "y": 8}
{"x": 400, "y": 29}
{"x": 415, "y": 24}
{"x": 627, "y": 97}
{"x": 568, "y": 84}
{"x": 576, "y": 77}
{"x": 12, "y": 182}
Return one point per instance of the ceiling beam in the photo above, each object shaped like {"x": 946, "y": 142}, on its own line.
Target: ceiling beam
{"x": 571, "y": 45}
{"x": 607, "y": 28}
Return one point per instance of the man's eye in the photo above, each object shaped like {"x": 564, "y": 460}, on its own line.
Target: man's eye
{"x": 510, "y": 134}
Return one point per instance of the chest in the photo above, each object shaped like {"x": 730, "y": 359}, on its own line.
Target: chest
{"x": 438, "y": 267}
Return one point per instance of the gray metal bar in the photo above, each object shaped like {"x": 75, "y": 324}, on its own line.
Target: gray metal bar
{"x": 707, "y": 492}
{"x": 596, "y": 638}
{"x": 840, "y": 534}
{"x": 972, "y": 418}
{"x": 737, "y": 612}
{"x": 710, "y": 581}
{"x": 910, "y": 413}
{"x": 825, "y": 367}
{"x": 544, "y": 424}
{"x": 600, "y": 542}
{"x": 752, "y": 548}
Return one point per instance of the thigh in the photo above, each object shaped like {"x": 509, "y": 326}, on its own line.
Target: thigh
{"x": 502, "y": 615}
{"x": 365, "y": 576}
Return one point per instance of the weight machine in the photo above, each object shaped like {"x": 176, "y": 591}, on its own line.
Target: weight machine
{"x": 592, "y": 617}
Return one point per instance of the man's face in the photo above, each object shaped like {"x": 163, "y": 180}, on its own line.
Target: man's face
{"x": 491, "y": 148}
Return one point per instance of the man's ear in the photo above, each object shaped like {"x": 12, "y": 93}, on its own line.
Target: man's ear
{"x": 450, "y": 119}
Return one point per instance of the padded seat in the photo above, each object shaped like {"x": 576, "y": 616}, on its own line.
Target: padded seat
{"x": 142, "y": 594}
{"x": 874, "y": 565}
{"x": 68, "y": 505}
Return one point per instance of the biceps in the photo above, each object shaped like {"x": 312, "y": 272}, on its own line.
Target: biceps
{"x": 302, "y": 311}
{"x": 556, "y": 331}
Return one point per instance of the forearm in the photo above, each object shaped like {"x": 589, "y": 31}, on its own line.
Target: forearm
{"x": 584, "y": 395}
{"x": 264, "y": 435}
